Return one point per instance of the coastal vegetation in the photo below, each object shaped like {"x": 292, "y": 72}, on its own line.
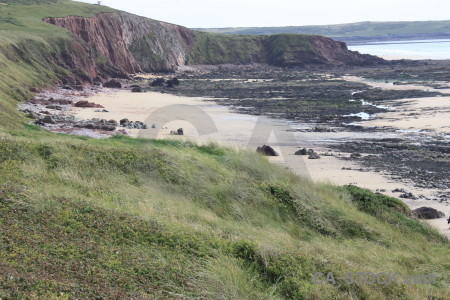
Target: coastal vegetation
{"x": 136, "y": 218}
{"x": 355, "y": 32}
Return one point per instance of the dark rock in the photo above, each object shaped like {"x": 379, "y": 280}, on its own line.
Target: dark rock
{"x": 154, "y": 126}
{"x": 266, "y": 150}
{"x": 428, "y": 213}
{"x": 132, "y": 125}
{"x": 113, "y": 122}
{"x": 134, "y": 86}
{"x": 355, "y": 155}
{"x": 67, "y": 87}
{"x": 180, "y": 131}
{"x": 113, "y": 84}
{"x": 397, "y": 190}
{"x": 56, "y": 107}
{"x": 48, "y": 120}
{"x": 169, "y": 84}
{"x": 97, "y": 81}
{"x": 34, "y": 90}
{"x": 102, "y": 110}
{"x": 301, "y": 152}
{"x": 158, "y": 82}
{"x": 310, "y": 151}
{"x": 321, "y": 129}
{"x": 77, "y": 87}
{"x": 68, "y": 80}
{"x": 314, "y": 156}
{"x": 172, "y": 82}
{"x": 408, "y": 196}
{"x": 87, "y": 104}
{"x": 98, "y": 124}
{"x": 136, "y": 90}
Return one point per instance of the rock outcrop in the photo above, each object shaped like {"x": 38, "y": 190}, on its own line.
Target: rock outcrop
{"x": 428, "y": 213}
{"x": 115, "y": 44}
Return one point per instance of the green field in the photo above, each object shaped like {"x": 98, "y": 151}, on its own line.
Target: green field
{"x": 354, "y": 31}
{"x": 120, "y": 218}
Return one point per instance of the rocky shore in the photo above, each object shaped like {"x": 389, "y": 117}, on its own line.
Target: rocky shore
{"x": 329, "y": 105}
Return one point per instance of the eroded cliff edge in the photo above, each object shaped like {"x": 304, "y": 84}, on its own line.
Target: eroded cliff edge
{"x": 115, "y": 44}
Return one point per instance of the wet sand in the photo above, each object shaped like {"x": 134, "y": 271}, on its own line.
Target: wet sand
{"x": 218, "y": 124}
{"x": 428, "y": 113}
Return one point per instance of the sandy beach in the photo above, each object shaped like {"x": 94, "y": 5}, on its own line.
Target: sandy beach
{"x": 204, "y": 121}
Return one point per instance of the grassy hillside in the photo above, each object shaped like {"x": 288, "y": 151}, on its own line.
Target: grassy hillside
{"x": 429, "y": 29}
{"x": 219, "y": 49}
{"x": 138, "y": 218}
{"x": 144, "y": 219}
{"x": 30, "y": 49}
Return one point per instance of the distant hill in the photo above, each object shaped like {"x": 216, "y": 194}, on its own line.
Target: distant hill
{"x": 354, "y": 33}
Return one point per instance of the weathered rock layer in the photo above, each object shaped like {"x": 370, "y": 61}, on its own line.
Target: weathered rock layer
{"x": 111, "y": 44}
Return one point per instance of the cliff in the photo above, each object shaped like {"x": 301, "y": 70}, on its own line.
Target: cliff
{"x": 128, "y": 43}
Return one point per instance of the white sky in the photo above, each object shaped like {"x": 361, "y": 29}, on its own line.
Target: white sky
{"x": 252, "y": 13}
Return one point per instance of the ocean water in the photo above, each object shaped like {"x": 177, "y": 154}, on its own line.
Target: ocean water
{"x": 418, "y": 49}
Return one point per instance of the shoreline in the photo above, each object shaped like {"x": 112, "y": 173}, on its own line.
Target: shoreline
{"x": 235, "y": 130}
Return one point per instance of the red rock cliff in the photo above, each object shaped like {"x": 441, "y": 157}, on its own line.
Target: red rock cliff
{"x": 128, "y": 42}
{"x": 114, "y": 44}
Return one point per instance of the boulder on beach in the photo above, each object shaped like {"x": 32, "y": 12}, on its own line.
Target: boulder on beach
{"x": 158, "y": 82}
{"x": 136, "y": 90}
{"x": 132, "y": 124}
{"x": 314, "y": 156}
{"x": 48, "y": 120}
{"x": 172, "y": 82}
{"x": 408, "y": 196}
{"x": 86, "y": 104}
{"x": 113, "y": 84}
{"x": 266, "y": 150}
{"x": 428, "y": 213}
{"x": 301, "y": 152}
{"x": 180, "y": 131}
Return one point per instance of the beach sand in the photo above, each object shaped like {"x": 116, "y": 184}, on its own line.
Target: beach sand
{"x": 204, "y": 121}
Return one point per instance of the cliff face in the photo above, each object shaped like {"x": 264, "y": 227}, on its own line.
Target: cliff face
{"x": 111, "y": 44}
{"x": 128, "y": 42}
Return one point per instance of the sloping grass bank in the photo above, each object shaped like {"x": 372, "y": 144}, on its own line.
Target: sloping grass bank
{"x": 131, "y": 218}
{"x": 143, "y": 218}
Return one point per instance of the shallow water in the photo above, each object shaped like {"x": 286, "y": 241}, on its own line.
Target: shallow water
{"x": 418, "y": 49}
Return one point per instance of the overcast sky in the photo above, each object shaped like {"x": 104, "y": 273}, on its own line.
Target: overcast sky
{"x": 246, "y": 13}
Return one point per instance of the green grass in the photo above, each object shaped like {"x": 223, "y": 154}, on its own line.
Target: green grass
{"x": 283, "y": 48}
{"x": 30, "y": 49}
{"x": 134, "y": 218}
{"x": 145, "y": 218}
{"x": 220, "y": 49}
{"x": 361, "y": 29}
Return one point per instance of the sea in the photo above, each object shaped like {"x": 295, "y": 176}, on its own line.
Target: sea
{"x": 417, "y": 49}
